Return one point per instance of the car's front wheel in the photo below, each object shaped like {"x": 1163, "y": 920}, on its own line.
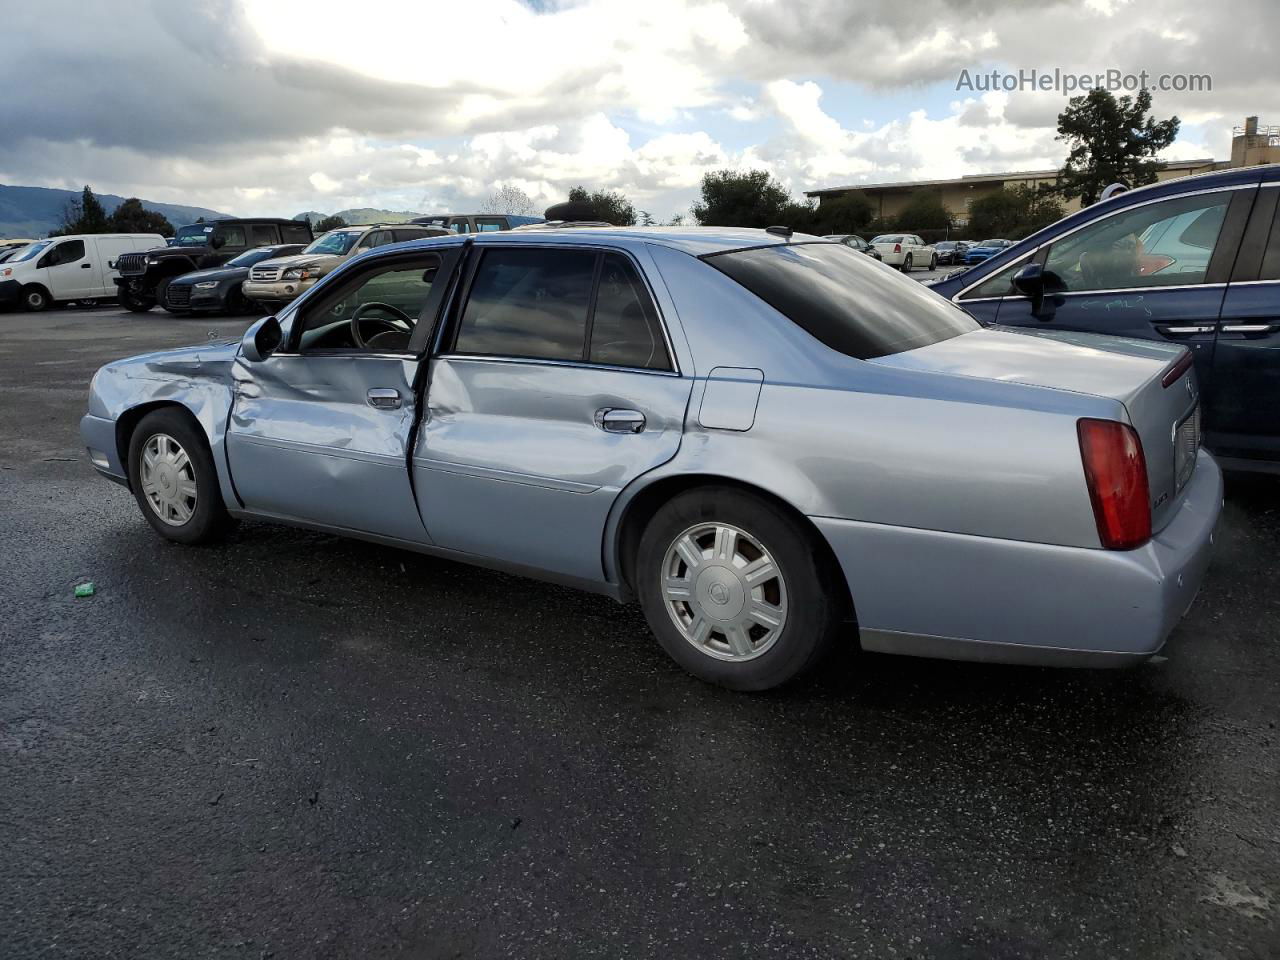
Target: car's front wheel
{"x": 35, "y": 299}
{"x": 735, "y": 589}
{"x": 135, "y": 302}
{"x": 173, "y": 478}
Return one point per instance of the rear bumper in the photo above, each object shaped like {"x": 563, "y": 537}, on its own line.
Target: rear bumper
{"x": 960, "y": 597}
{"x": 99, "y": 436}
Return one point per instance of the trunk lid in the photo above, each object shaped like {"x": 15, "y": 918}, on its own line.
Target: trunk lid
{"x": 1162, "y": 408}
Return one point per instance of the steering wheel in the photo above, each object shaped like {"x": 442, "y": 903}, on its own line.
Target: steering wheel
{"x": 357, "y": 317}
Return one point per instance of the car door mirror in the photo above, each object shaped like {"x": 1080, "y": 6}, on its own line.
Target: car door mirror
{"x": 1034, "y": 281}
{"x": 217, "y": 241}
{"x": 261, "y": 340}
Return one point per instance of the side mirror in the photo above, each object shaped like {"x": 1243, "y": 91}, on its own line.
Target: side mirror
{"x": 261, "y": 340}
{"x": 217, "y": 242}
{"x": 1039, "y": 284}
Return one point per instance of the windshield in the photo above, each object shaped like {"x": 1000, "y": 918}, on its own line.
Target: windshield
{"x": 845, "y": 299}
{"x": 896, "y": 238}
{"x": 250, "y": 257}
{"x": 34, "y": 250}
{"x": 335, "y": 242}
{"x": 195, "y": 235}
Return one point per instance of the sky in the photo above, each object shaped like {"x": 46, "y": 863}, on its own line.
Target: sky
{"x": 273, "y": 107}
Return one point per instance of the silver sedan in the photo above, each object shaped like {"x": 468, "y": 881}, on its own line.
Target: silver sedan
{"x": 771, "y": 442}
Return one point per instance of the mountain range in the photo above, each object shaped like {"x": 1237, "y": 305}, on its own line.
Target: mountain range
{"x": 34, "y": 211}
{"x": 356, "y": 215}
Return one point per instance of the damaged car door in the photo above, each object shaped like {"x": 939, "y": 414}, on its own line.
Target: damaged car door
{"x": 321, "y": 428}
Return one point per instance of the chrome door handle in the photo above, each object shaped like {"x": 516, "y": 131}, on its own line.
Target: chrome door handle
{"x": 383, "y": 398}
{"x": 614, "y": 420}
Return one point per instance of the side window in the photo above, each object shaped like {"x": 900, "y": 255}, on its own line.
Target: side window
{"x": 232, "y": 235}
{"x": 999, "y": 284}
{"x": 68, "y": 251}
{"x": 263, "y": 234}
{"x": 489, "y": 224}
{"x": 290, "y": 233}
{"x": 375, "y": 238}
{"x": 460, "y": 225}
{"x": 1158, "y": 244}
{"x": 1271, "y": 258}
{"x": 399, "y": 236}
{"x": 388, "y": 301}
{"x": 625, "y": 330}
{"x": 528, "y": 303}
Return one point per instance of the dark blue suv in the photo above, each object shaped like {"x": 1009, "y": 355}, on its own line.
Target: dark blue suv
{"x": 1194, "y": 260}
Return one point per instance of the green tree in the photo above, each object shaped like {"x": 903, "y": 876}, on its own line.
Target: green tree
{"x": 84, "y": 215}
{"x": 132, "y": 217}
{"x": 1014, "y": 212}
{"x": 607, "y": 205}
{"x": 845, "y": 214}
{"x": 735, "y": 199}
{"x": 1111, "y": 140}
{"x": 924, "y": 212}
{"x": 331, "y": 222}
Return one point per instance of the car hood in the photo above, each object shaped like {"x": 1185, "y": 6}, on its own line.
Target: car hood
{"x": 221, "y": 273}
{"x": 180, "y": 362}
{"x": 300, "y": 260}
{"x": 1102, "y": 366}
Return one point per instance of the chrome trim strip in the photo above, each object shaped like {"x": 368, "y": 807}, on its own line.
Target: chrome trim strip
{"x": 1195, "y": 328}
{"x": 1253, "y": 283}
{"x": 1123, "y": 209}
{"x": 576, "y": 364}
{"x": 505, "y": 476}
{"x": 1247, "y": 327}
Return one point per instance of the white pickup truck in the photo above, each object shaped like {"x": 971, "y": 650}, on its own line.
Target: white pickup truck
{"x": 905, "y": 250}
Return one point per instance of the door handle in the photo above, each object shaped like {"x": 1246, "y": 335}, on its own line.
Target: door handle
{"x": 1249, "y": 329}
{"x": 383, "y": 398}
{"x": 615, "y": 420}
{"x": 85, "y": 266}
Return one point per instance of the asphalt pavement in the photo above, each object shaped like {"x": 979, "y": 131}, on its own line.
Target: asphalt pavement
{"x": 293, "y": 745}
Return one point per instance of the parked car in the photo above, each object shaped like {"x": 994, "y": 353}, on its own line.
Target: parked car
{"x": 144, "y": 277}
{"x": 985, "y": 250}
{"x": 273, "y": 283}
{"x": 477, "y": 222}
{"x": 769, "y": 443}
{"x": 63, "y": 269}
{"x": 951, "y": 251}
{"x": 1193, "y": 261}
{"x": 218, "y": 290}
{"x": 8, "y": 253}
{"x": 855, "y": 241}
{"x": 905, "y": 251}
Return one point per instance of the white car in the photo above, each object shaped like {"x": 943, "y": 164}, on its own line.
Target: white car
{"x": 904, "y": 251}
{"x": 62, "y": 269}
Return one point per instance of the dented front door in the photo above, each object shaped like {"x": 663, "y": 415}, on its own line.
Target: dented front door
{"x": 324, "y": 439}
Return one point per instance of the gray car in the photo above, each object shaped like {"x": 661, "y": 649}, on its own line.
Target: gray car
{"x": 770, "y": 441}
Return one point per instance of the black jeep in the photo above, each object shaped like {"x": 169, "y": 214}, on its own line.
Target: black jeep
{"x": 145, "y": 276}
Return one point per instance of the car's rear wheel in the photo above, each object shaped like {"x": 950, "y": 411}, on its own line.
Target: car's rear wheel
{"x": 735, "y": 589}
{"x": 35, "y": 299}
{"x": 906, "y": 264}
{"x": 173, "y": 478}
{"x": 933, "y": 262}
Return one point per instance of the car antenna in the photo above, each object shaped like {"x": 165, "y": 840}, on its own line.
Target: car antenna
{"x": 779, "y": 231}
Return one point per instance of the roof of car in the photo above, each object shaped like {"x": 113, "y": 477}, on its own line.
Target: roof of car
{"x": 697, "y": 241}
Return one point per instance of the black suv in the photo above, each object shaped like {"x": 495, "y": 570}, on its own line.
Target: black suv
{"x": 144, "y": 277}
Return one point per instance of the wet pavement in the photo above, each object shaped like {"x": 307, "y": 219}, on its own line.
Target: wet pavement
{"x": 292, "y": 745}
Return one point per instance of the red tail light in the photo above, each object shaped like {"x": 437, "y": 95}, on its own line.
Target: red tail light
{"x": 897, "y": 248}
{"x": 1116, "y": 473}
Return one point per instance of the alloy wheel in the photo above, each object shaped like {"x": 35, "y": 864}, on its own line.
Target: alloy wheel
{"x": 168, "y": 479}
{"x": 724, "y": 591}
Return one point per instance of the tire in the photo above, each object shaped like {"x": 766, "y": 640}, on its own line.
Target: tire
{"x": 933, "y": 262}
{"x": 804, "y": 597}
{"x": 134, "y": 302}
{"x": 162, "y": 487}
{"x": 162, "y": 289}
{"x": 35, "y": 299}
{"x": 906, "y": 264}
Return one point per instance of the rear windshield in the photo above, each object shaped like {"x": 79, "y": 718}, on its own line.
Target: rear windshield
{"x": 844, "y": 298}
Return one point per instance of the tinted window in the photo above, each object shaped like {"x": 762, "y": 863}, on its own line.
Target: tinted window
{"x": 625, "y": 330}
{"x": 1271, "y": 258}
{"x": 845, "y": 299}
{"x": 528, "y": 303}
{"x": 262, "y": 233}
{"x": 1157, "y": 244}
{"x": 295, "y": 233}
{"x": 486, "y": 224}
{"x": 406, "y": 233}
{"x": 68, "y": 251}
